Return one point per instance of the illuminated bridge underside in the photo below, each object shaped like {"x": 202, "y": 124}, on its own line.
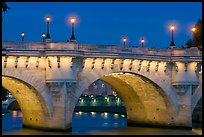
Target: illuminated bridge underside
{"x": 30, "y": 103}
{"x": 145, "y": 102}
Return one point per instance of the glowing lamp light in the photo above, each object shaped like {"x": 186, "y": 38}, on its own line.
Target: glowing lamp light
{"x": 124, "y": 39}
{"x": 72, "y": 20}
{"x": 142, "y": 41}
{"x": 172, "y": 27}
{"x": 43, "y": 35}
{"x": 193, "y": 29}
{"x": 48, "y": 18}
{"x": 122, "y": 115}
{"x": 22, "y": 34}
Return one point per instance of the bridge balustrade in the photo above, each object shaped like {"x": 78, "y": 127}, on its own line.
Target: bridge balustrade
{"x": 100, "y": 48}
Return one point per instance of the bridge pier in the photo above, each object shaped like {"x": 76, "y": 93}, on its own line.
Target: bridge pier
{"x": 63, "y": 105}
{"x": 184, "y": 97}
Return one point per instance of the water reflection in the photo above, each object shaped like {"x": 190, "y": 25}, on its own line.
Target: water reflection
{"x": 12, "y": 121}
{"x": 16, "y": 114}
{"x": 93, "y": 123}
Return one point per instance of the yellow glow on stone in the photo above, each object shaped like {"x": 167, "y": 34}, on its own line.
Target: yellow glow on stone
{"x": 28, "y": 100}
{"x": 147, "y": 97}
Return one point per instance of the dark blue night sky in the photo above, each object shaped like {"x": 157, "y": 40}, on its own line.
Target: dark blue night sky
{"x": 103, "y": 22}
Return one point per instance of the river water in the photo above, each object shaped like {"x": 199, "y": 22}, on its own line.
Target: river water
{"x": 90, "y": 123}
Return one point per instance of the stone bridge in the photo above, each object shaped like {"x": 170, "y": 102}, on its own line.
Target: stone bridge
{"x": 157, "y": 86}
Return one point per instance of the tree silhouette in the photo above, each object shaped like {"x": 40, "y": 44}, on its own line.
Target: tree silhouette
{"x": 4, "y": 93}
{"x": 4, "y": 7}
{"x": 197, "y": 36}
{"x": 196, "y": 40}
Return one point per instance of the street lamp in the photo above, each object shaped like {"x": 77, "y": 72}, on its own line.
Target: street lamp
{"x": 72, "y": 20}
{"x": 142, "y": 41}
{"x": 124, "y": 40}
{"x": 43, "y": 37}
{"x": 22, "y": 35}
{"x": 48, "y": 29}
{"x": 193, "y": 29}
{"x": 172, "y": 45}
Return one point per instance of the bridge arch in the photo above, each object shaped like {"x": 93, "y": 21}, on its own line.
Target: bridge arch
{"x": 32, "y": 96}
{"x": 153, "y": 106}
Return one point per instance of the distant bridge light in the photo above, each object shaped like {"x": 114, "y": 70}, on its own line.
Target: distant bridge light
{"x": 80, "y": 112}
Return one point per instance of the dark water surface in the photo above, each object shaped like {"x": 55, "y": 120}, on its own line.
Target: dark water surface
{"x": 92, "y": 123}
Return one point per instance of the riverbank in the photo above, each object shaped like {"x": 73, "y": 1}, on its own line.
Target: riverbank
{"x": 110, "y": 109}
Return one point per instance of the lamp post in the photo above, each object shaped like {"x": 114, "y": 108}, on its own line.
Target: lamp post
{"x": 124, "y": 40}
{"x": 43, "y": 37}
{"x": 22, "y": 35}
{"x": 72, "y": 20}
{"x": 142, "y": 41}
{"x": 194, "y": 29}
{"x": 172, "y": 45}
{"x": 48, "y": 29}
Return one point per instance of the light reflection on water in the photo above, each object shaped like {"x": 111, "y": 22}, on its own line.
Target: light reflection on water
{"x": 89, "y": 123}
{"x": 11, "y": 121}
{"x": 85, "y": 122}
{"x": 82, "y": 122}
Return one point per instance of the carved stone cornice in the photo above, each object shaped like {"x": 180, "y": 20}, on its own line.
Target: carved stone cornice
{"x": 55, "y": 87}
